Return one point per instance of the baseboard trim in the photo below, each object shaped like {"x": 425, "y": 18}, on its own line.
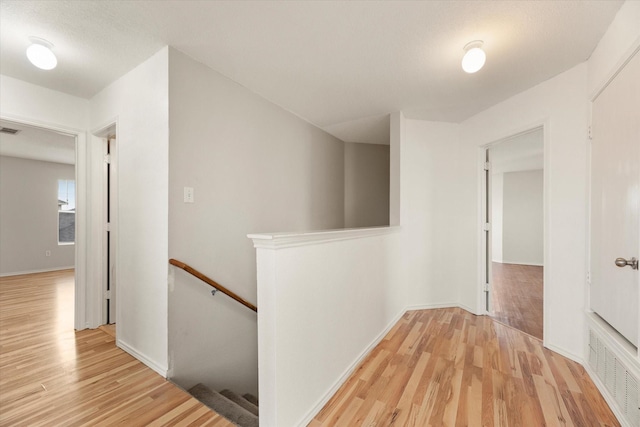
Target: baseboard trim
{"x": 347, "y": 373}
{"x": 565, "y": 353}
{"x": 162, "y": 371}
{"x": 44, "y": 270}
{"x": 441, "y": 305}
{"x": 533, "y": 264}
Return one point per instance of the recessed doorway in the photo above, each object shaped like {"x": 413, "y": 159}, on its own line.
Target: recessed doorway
{"x": 515, "y": 235}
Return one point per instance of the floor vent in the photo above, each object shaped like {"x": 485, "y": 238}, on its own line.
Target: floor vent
{"x": 616, "y": 377}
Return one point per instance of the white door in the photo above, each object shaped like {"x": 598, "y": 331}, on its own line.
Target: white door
{"x": 615, "y": 201}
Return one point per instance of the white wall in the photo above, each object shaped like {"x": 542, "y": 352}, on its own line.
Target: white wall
{"x": 139, "y": 101}
{"x": 430, "y": 217}
{"x": 615, "y": 47}
{"x": 440, "y": 204}
{"x": 29, "y": 216}
{"x": 560, "y": 104}
{"x": 523, "y": 152}
{"x": 523, "y": 223}
{"x": 254, "y": 167}
{"x": 366, "y": 185}
{"x": 326, "y": 299}
{"x": 34, "y": 105}
{"x": 28, "y": 102}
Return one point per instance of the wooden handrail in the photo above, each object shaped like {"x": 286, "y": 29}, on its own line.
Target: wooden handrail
{"x": 212, "y": 283}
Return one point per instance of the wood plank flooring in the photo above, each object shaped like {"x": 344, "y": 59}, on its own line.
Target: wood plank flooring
{"x": 442, "y": 367}
{"x": 448, "y": 367}
{"x": 517, "y": 295}
{"x": 51, "y": 375}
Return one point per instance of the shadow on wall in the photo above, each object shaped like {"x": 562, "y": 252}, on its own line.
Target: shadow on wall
{"x": 366, "y": 185}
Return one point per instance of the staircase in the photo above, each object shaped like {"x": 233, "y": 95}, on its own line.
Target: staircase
{"x": 240, "y": 410}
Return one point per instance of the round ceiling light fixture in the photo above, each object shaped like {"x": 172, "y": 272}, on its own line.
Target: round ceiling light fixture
{"x": 474, "y": 57}
{"x": 40, "y": 54}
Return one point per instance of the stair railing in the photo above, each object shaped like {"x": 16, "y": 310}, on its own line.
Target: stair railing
{"x": 212, "y": 283}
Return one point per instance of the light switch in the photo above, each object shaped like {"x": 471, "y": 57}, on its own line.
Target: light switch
{"x": 188, "y": 195}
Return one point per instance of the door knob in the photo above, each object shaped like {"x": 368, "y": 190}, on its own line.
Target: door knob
{"x": 633, "y": 262}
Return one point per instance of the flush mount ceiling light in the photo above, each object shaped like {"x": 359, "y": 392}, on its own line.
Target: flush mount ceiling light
{"x": 40, "y": 54}
{"x": 474, "y": 57}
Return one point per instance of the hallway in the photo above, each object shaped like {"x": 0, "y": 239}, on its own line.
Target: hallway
{"x": 449, "y": 367}
{"x": 51, "y": 375}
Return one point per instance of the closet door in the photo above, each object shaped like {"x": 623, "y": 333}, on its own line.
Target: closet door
{"x": 615, "y": 201}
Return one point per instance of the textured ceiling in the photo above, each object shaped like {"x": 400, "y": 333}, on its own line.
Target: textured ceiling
{"x": 333, "y": 63}
{"x": 37, "y": 144}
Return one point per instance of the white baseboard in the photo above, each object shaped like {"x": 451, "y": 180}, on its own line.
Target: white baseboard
{"x": 565, "y": 353}
{"x": 431, "y": 306}
{"x": 347, "y": 373}
{"x": 44, "y": 270}
{"x": 441, "y": 305}
{"x": 522, "y": 263}
{"x": 150, "y": 363}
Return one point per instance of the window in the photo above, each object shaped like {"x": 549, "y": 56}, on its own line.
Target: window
{"x": 66, "y": 211}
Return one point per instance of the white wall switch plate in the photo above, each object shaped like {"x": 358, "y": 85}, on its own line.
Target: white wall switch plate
{"x": 188, "y": 195}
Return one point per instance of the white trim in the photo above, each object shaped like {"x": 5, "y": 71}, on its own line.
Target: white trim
{"x": 519, "y": 263}
{"x": 82, "y": 171}
{"x": 545, "y": 124}
{"x": 44, "y": 270}
{"x": 624, "y": 59}
{"x": 481, "y": 305}
{"x": 310, "y": 415}
{"x": 440, "y": 305}
{"x": 103, "y": 130}
{"x": 290, "y": 240}
{"x": 161, "y": 370}
{"x": 562, "y": 352}
{"x": 97, "y": 286}
{"x": 70, "y": 131}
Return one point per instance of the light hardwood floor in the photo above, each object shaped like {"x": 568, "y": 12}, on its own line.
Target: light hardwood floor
{"x": 435, "y": 368}
{"x": 51, "y": 375}
{"x": 447, "y": 367}
{"x": 517, "y": 295}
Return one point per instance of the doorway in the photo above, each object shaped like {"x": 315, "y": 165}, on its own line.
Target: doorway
{"x": 515, "y": 231}
{"x": 109, "y": 210}
{"x": 39, "y": 214}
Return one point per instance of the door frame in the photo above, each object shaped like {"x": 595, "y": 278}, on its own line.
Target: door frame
{"x": 99, "y": 198}
{"x": 81, "y": 269}
{"x": 484, "y": 254}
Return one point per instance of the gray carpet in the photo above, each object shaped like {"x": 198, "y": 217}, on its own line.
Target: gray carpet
{"x": 224, "y": 406}
{"x": 241, "y": 401}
